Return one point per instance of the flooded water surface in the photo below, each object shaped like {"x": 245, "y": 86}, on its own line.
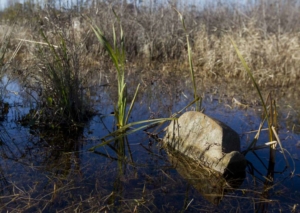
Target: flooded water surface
{"x": 48, "y": 171}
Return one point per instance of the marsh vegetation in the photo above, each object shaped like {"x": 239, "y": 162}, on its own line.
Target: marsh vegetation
{"x": 87, "y": 89}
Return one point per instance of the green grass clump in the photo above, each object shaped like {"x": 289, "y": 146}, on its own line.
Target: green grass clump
{"x": 63, "y": 102}
{"x": 122, "y": 112}
{"x": 117, "y": 55}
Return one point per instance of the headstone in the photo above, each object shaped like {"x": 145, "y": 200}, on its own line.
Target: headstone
{"x": 207, "y": 140}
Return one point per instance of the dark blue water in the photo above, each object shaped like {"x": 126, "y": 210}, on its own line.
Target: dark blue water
{"x": 58, "y": 173}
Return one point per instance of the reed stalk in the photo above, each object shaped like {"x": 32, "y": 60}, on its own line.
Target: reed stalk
{"x": 270, "y": 116}
{"x": 117, "y": 55}
{"x": 192, "y": 72}
{"x": 122, "y": 113}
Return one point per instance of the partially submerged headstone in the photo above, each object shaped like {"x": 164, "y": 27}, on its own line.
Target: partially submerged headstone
{"x": 207, "y": 140}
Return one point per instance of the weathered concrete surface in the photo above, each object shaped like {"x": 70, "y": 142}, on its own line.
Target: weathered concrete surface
{"x": 202, "y": 138}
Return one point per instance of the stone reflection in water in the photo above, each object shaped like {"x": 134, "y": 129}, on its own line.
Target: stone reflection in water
{"x": 211, "y": 184}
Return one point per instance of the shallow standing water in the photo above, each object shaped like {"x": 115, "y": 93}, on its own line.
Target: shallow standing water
{"x": 42, "y": 173}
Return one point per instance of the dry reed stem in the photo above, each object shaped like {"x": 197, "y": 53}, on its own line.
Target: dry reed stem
{"x": 280, "y": 145}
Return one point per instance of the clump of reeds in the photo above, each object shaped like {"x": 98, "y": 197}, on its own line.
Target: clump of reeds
{"x": 117, "y": 55}
{"x": 61, "y": 91}
{"x": 122, "y": 112}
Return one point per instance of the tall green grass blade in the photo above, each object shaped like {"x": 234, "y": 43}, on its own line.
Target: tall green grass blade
{"x": 256, "y": 87}
{"x": 114, "y": 37}
{"x": 118, "y": 56}
{"x": 101, "y": 38}
{"x": 125, "y": 131}
{"x": 118, "y": 61}
{"x": 132, "y": 104}
{"x": 187, "y": 106}
{"x": 130, "y": 125}
{"x": 191, "y": 67}
{"x": 192, "y": 72}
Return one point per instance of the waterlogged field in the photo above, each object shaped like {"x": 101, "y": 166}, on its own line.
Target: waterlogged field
{"x": 79, "y": 80}
{"x": 54, "y": 171}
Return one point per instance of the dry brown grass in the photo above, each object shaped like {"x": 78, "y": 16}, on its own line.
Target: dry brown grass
{"x": 269, "y": 41}
{"x": 273, "y": 61}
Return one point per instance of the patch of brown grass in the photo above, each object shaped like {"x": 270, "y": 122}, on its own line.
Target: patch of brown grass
{"x": 266, "y": 35}
{"x": 274, "y": 61}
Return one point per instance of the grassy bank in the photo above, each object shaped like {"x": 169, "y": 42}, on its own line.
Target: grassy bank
{"x": 266, "y": 34}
